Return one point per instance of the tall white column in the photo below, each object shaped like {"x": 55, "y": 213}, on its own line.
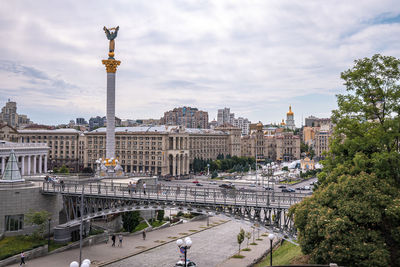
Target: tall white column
{"x": 22, "y": 165}
{"x": 34, "y": 164}
{"x": 29, "y": 165}
{"x": 3, "y": 164}
{"x": 110, "y": 138}
{"x": 173, "y": 165}
{"x": 179, "y": 165}
{"x": 174, "y": 143}
{"x": 45, "y": 163}
{"x": 40, "y": 163}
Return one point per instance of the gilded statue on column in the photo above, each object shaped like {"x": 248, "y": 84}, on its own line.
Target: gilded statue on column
{"x": 111, "y": 34}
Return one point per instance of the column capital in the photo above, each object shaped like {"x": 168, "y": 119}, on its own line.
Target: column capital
{"x": 111, "y": 65}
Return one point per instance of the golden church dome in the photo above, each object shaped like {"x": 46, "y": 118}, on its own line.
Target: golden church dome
{"x": 259, "y": 126}
{"x": 283, "y": 121}
{"x": 290, "y": 112}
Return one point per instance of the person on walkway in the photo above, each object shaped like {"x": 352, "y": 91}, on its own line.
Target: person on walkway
{"x": 144, "y": 188}
{"x": 62, "y": 185}
{"x": 113, "y": 240}
{"x": 144, "y": 234}
{"x": 120, "y": 237}
{"x": 134, "y": 187}
{"x": 130, "y": 188}
{"x": 22, "y": 258}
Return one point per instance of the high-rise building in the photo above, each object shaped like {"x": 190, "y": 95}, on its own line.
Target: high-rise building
{"x": 243, "y": 124}
{"x": 225, "y": 116}
{"x": 81, "y": 121}
{"x": 10, "y": 116}
{"x": 96, "y": 122}
{"x": 186, "y": 116}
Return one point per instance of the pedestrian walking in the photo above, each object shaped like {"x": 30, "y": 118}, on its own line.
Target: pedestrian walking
{"x": 144, "y": 188}
{"x": 130, "y": 188}
{"x": 144, "y": 234}
{"x": 120, "y": 237}
{"x": 22, "y": 258}
{"x": 134, "y": 187}
{"x": 113, "y": 240}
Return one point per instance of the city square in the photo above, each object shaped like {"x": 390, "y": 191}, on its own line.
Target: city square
{"x": 199, "y": 133}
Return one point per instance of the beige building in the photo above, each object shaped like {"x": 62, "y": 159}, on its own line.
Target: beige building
{"x": 8, "y": 133}
{"x": 282, "y": 146}
{"x": 63, "y": 144}
{"x": 287, "y": 146}
{"x": 322, "y": 142}
{"x": 9, "y": 115}
{"x": 186, "y": 116}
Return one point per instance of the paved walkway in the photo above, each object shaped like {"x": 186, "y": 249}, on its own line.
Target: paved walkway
{"x": 103, "y": 254}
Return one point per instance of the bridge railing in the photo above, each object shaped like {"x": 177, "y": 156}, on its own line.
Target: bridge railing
{"x": 185, "y": 194}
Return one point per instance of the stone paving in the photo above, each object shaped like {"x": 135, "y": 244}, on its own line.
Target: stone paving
{"x": 211, "y": 247}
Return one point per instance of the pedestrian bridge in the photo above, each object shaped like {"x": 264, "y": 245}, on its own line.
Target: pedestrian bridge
{"x": 263, "y": 208}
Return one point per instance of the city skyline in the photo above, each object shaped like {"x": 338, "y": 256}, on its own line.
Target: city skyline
{"x": 256, "y": 58}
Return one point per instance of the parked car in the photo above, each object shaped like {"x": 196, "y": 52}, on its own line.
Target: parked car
{"x": 252, "y": 185}
{"x": 227, "y": 186}
{"x": 288, "y": 190}
{"x": 282, "y": 186}
{"x": 213, "y": 182}
{"x": 199, "y": 184}
{"x": 268, "y": 188}
{"x": 195, "y": 182}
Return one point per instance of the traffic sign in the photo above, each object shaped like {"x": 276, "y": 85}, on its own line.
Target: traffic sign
{"x": 182, "y": 249}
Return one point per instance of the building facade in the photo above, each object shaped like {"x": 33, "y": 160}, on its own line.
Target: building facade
{"x": 31, "y": 158}
{"x": 10, "y": 116}
{"x": 243, "y": 124}
{"x": 187, "y": 117}
{"x": 225, "y": 116}
{"x": 63, "y": 146}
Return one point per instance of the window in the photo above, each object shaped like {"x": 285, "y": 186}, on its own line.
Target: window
{"x": 14, "y": 222}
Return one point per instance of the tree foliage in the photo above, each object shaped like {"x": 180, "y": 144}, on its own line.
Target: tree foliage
{"x": 39, "y": 219}
{"x": 228, "y": 163}
{"x": 130, "y": 220}
{"x": 240, "y": 238}
{"x": 353, "y": 219}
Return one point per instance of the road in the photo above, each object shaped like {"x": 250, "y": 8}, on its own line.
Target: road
{"x": 210, "y": 248}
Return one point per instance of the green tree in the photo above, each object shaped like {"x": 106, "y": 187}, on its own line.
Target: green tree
{"x": 214, "y": 174}
{"x": 130, "y": 220}
{"x": 160, "y": 215}
{"x": 63, "y": 169}
{"x": 353, "y": 218}
{"x": 240, "y": 238}
{"x": 40, "y": 220}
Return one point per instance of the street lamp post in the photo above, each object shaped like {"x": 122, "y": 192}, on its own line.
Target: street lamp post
{"x": 184, "y": 245}
{"x": 271, "y": 237}
{"x": 48, "y": 238}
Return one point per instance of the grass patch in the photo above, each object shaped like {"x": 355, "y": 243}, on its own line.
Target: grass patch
{"x": 237, "y": 256}
{"x": 264, "y": 235}
{"x": 246, "y": 249}
{"x": 140, "y": 227}
{"x": 203, "y": 227}
{"x": 157, "y": 223}
{"x": 183, "y": 233}
{"x": 172, "y": 237}
{"x": 259, "y": 239}
{"x": 12, "y": 245}
{"x": 54, "y": 245}
{"x": 254, "y": 244}
{"x": 283, "y": 255}
{"x": 192, "y": 231}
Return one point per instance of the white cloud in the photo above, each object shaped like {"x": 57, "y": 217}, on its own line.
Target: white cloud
{"x": 253, "y": 56}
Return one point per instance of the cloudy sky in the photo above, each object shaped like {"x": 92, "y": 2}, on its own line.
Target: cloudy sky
{"x": 256, "y": 57}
